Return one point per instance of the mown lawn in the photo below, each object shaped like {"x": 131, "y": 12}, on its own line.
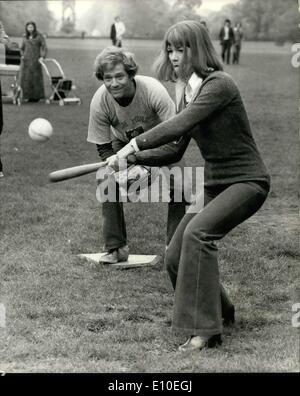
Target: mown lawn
{"x": 65, "y": 315}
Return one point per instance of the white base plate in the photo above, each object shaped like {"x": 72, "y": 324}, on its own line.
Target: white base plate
{"x": 134, "y": 260}
{"x": 71, "y": 100}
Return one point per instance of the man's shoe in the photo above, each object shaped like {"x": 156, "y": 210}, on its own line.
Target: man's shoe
{"x": 115, "y": 256}
{"x": 229, "y": 316}
{"x": 109, "y": 258}
{"x": 196, "y": 343}
{"x": 123, "y": 253}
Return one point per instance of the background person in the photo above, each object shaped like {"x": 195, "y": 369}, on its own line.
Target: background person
{"x": 116, "y": 32}
{"x": 205, "y": 25}
{"x": 238, "y": 36}
{"x": 31, "y": 75}
{"x": 226, "y": 37}
{"x": 236, "y": 182}
{"x": 123, "y": 107}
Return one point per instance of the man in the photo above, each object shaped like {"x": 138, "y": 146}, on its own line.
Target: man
{"x": 124, "y": 106}
{"x": 238, "y": 36}
{"x": 226, "y": 37}
{"x": 116, "y": 32}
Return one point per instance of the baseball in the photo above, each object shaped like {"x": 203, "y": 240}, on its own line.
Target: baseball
{"x": 40, "y": 130}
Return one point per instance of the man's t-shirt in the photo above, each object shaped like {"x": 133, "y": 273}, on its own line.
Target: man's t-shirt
{"x": 150, "y": 106}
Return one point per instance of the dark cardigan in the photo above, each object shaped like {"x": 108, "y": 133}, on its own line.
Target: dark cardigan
{"x": 218, "y": 122}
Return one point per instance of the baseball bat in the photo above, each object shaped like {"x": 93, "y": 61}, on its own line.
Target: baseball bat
{"x": 75, "y": 171}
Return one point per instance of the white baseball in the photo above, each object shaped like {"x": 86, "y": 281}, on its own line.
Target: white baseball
{"x": 40, "y": 130}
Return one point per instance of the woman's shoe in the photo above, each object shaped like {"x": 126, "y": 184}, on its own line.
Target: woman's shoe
{"x": 196, "y": 343}
{"x": 229, "y": 316}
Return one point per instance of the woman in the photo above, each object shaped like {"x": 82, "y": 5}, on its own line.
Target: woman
{"x": 236, "y": 182}
{"x": 32, "y": 49}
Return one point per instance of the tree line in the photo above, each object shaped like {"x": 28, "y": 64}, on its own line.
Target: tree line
{"x": 265, "y": 20}
{"x": 15, "y": 14}
{"x": 261, "y": 19}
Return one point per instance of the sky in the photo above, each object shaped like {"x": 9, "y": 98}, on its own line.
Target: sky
{"x": 83, "y": 5}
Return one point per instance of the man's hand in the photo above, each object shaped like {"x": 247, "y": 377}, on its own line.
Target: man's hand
{"x": 113, "y": 162}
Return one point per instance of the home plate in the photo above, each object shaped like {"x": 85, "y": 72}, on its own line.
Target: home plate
{"x": 134, "y": 260}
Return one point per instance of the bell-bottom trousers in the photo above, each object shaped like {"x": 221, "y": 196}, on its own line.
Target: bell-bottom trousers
{"x": 191, "y": 258}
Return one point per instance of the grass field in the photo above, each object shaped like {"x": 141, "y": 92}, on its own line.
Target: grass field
{"x": 64, "y": 315}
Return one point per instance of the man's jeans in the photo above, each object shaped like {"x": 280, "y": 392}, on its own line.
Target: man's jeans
{"x": 191, "y": 258}
{"x": 113, "y": 225}
{"x": 226, "y": 49}
{"x": 236, "y": 54}
{"x": 113, "y": 221}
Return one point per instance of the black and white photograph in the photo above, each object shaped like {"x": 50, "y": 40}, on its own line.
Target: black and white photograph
{"x": 149, "y": 189}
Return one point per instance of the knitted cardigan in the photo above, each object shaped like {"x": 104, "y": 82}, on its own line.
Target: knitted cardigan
{"x": 217, "y": 120}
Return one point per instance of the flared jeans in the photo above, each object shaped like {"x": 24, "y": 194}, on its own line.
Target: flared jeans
{"x": 192, "y": 255}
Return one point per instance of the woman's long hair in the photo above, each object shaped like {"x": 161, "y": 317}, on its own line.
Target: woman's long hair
{"x": 34, "y": 33}
{"x": 193, "y": 35}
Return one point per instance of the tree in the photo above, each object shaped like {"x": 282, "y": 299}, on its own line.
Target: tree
{"x": 189, "y": 4}
{"x": 285, "y": 28}
{"x": 270, "y": 19}
{"x": 15, "y": 14}
{"x": 142, "y": 18}
{"x": 254, "y": 12}
{"x": 261, "y": 19}
{"x": 184, "y": 10}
